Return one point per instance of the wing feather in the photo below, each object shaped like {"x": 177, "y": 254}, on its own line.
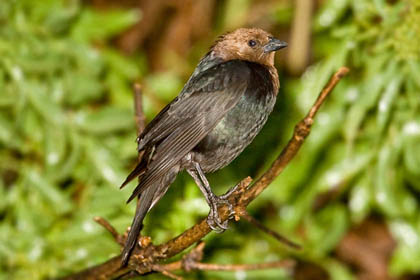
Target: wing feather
{"x": 204, "y": 101}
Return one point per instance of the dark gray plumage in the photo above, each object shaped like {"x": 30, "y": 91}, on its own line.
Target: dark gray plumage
{"x": 221, "y": 109}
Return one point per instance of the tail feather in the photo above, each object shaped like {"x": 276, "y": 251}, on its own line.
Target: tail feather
{"x": 145, "y": 202}
{"x": 137, "y": 191}
{"x": 138, "y": 171}
{"x": 148, "y": 195}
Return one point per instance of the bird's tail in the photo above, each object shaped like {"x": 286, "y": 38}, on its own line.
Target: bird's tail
{"x": 148, "y": 197}
{"x": 143, "y": 207}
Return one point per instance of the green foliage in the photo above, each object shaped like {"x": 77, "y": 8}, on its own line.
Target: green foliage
{"x": 366, "y": 141}
{"x": 67, "y": 140}
{"x": 64, "y": 146}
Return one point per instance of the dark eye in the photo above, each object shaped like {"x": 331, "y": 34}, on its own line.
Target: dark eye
{"x": 252, "y": 43}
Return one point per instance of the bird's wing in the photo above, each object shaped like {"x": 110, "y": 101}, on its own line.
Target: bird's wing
{"x": 181, "y": 125}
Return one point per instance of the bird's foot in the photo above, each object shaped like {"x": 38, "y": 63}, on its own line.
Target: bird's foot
{"x": 213, "y": 220}
{"x": 229, "y": 192}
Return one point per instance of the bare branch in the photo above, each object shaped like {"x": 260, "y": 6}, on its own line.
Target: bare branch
{"x": 271, "y": 232}
{"x": 236, "y": 267}
{"x": 104, "y": 223}
{"x": 138, "y": 108}
{"x": 192, "y": 261}
{"x": 166, "y": 272}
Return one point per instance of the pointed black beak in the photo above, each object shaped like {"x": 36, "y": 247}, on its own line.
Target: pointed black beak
{"x": 274, "y": 44}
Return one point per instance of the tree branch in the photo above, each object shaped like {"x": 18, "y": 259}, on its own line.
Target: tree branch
{"x": 145, "y": 258}
{"x": 236, "y": 267}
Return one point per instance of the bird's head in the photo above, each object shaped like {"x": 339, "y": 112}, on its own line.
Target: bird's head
{"x": 251, "y": 44}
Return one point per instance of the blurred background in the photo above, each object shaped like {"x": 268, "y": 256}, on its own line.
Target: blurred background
{"x": 67, "y": 131}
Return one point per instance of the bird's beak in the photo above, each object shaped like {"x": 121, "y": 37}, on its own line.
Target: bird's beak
{"x": 274, "y": 45}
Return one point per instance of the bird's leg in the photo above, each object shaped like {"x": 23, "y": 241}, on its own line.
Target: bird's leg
{"x": 222, "y": 199}
{"x": 213, "y": 219}
{"x": 213, "y": 200}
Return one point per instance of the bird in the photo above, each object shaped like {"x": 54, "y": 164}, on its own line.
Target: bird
{"x": 219, "y": 111}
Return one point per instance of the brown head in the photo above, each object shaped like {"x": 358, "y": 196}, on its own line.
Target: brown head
{"x": 251, "y": 44}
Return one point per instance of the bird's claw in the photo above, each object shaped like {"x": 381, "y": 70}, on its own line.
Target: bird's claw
{"x": 229, "y": 192}
{"x": 213, "y": 219}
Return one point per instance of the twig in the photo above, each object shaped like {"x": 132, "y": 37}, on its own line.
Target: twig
{"x": 138, "y": 108}
{"x": 143, "y": 259}
{"x": 271, "y": 232}
{"x": 166, "y": 272}
{"x": 104, "y": 223}
{"x": 194, "y": 256}
{"x": 236, "y": 267}
{"x": 192, "y": 261}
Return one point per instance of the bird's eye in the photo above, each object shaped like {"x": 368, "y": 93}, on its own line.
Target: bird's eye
{"x": 252, "y": 43}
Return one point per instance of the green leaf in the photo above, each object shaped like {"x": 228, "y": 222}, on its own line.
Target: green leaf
{"x": 165, "y": 85}
{"x": 104, "y": 162}
{"x": 6, "y": 132}
{"x": 43, "y": 104}
{"x": 121, "y": 65}
{"x": 338, "y": 270}
{"x": 94, "y": 25}
{"x": 82, "y": 88}
{"x": 330, "y": 13}
{"x": 411, "y": 146}
{"x": 325, "y": 229}
{"x": 55, "y": 143}
{"x": 106, "y": 120}
{"x": 361, "y": 199}
{"x": 390, "y": 196}
{"x": 59, "y": 200}
{"x": 406, "y": 257}
{"x": 387, "y": 100}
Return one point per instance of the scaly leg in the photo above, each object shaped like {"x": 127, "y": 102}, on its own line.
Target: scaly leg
{"x": 213, "y": 200}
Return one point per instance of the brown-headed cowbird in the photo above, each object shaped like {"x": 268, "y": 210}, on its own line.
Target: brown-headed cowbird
{"x": 218, "y": 113}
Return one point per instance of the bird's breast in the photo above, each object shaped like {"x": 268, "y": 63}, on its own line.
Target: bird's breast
{"x": 239, "y": 126}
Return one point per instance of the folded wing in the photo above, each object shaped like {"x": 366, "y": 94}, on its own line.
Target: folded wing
{"x": 181, "y": 125}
